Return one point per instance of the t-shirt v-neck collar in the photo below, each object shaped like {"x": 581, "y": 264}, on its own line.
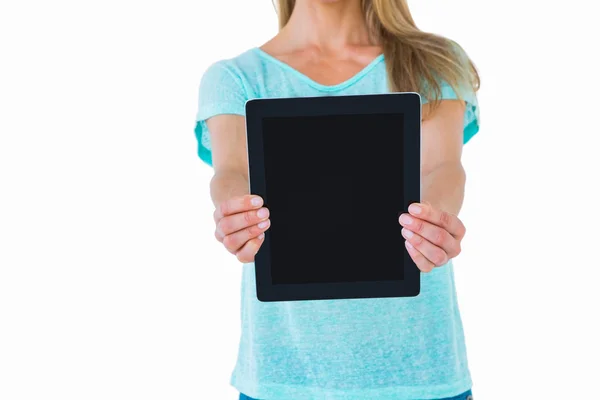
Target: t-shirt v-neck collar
{"x": 317, "y": 85}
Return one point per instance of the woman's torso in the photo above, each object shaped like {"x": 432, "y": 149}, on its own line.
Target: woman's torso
{"x": 344, "y": 349}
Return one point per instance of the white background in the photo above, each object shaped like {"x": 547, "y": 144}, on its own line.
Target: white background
{"x": 111, "y": 284}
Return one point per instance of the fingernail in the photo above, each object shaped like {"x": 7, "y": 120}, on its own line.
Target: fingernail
{"x": 408, "y": 245}
{"x": 261, "y": 236}
{"x": 405, "y": 219}
{"x": 415, "y": 209}
{"x": 263, "y": 213}
{"x": 263, "y": 224}
{"x": 256, "y": 201}
{"x": 407, "y": 234}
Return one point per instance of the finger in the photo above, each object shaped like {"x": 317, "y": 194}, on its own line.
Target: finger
{"x": 237, "y": 205}
{"x": 443, "y": 219}
{"x": 219, "y": 235}
{"x": 237, "y": 240}
{"x": 422, "y": 263}
{"x": 433, "y": 233}
{"x": 247, "y": 253}
{"x": 433, "y": 253}
{"x": 236, "y": 222}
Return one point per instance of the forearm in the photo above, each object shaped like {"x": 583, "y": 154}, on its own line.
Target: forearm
{"x": 227, "y": 184}
{"x": 444, "y": 187}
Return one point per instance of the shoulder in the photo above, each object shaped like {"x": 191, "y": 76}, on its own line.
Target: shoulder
{"x": 241, "y": 69}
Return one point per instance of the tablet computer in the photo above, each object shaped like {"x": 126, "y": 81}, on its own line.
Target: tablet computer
{"x": 335, "y": 173}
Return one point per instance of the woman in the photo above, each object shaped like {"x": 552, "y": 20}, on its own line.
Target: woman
{"x": 369, "y": 349}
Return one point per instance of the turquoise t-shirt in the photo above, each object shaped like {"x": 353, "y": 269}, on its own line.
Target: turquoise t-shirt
{"x": 359, "y": 349}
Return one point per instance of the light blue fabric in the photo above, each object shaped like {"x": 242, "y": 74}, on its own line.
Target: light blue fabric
{"x": 393, "y": 348}
{"x": 468, "y": 395}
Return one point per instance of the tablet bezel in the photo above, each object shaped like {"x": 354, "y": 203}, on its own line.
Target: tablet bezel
{"x": 409, "y": 104}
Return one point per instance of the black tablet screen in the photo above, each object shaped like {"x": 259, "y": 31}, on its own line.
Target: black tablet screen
{"x": 334, "y": 190}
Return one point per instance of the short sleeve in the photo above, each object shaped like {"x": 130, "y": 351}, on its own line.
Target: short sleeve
{"x": 465, "y": 93}
{"x": 471, "y": 118}
{"x": 221, "y": 92}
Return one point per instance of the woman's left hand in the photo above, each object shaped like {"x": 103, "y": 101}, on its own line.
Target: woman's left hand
{"x": 432, "y": 236}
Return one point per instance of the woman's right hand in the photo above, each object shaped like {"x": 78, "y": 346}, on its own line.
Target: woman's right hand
{"x": 240, "y": 226}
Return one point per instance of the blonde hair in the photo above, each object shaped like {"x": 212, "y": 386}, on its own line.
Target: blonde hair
{"x": 416, "y": 61}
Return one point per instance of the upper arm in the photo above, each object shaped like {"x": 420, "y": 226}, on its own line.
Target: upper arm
{"x": 454, "y": 122}
{"x": 220, "y": 125}
{"x": 442, "y": 135}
